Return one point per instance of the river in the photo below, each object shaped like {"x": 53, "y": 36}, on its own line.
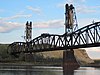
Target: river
{"x": 46, "y": 70}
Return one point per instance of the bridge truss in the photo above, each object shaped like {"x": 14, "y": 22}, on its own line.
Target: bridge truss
{"x": 88, "y": 36}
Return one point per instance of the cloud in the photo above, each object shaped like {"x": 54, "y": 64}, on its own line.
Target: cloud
{"x": 80, "y": 6}
{"x": 46, "y": 26}
{"x": 86, "y": 9}
{"x": 70, "y": 1}
{"x": 75, "y": 1}
{"x": 49, "y": 24}
{"x": 41, "y": 31}
{"x": 1, "y": 10}
{"x": 34, "y": 9}
{"x": 16, "y": 16}
{"x": 83, "y": 0}
{"x": 9, "y": 26}
{"x": 61, "y": 5}
{"x": 86, "y": 21}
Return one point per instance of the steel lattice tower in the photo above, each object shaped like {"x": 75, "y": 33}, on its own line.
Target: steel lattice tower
{"x": 28, "y": 31}
{"x": 70, "y": 19}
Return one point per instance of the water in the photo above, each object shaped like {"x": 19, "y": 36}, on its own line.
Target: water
{"x": 45, "y": 70}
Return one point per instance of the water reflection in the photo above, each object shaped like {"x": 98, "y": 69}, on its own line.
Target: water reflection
{"x": 33, "y": 70}
{"x": 16, "y": 73}
{"x": 44, "y": 70}
{"x": 68, "y": 72}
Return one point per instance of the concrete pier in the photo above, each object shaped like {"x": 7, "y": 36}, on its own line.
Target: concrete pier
{"x": 69, "y": 61}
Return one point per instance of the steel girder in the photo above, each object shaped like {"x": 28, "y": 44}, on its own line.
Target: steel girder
{"x": 88, "y": 36}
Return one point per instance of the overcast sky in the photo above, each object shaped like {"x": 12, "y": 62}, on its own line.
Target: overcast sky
{"x": 47, "y": 16}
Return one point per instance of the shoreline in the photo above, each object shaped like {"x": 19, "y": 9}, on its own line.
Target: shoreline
{"x": 32, "y": 64}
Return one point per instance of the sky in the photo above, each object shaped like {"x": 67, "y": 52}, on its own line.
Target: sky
{"x": 47, "y": 16}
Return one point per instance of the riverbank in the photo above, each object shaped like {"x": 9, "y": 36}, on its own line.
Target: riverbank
{"x": 26, "y": 64}
{"x": 29, "y": 64}
{"x": 50, "y": 58}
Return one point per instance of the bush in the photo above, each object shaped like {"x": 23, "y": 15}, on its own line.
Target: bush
{"x": 3, "y": 51}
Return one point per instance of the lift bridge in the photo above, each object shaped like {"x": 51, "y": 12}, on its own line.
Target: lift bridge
{"x": 88, "y": 36}
{"x": 73, "y": 38}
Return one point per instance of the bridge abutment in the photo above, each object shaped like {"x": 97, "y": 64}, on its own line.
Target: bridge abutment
{"x": 69, "y": 60}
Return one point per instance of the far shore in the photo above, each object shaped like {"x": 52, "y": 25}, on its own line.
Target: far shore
{"x": 38, "y": 64}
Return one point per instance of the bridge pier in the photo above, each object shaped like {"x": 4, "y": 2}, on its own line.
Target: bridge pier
{"x": 69, "y": 60}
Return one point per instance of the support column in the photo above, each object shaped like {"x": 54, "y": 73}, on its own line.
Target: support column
{"x": 69, "y": 60}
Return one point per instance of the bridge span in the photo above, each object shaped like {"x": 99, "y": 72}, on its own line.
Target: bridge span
{"x": 88, "y": 36}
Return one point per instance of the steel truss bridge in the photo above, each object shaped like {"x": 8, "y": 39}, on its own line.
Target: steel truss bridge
{"x": 88, "y": 36}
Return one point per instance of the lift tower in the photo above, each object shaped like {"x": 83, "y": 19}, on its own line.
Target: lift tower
{"x": 70, "y": 19}
{"x": 69, "y": 60}
{"x": 28, "y": 31}
{"x": 28, "y": 36}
